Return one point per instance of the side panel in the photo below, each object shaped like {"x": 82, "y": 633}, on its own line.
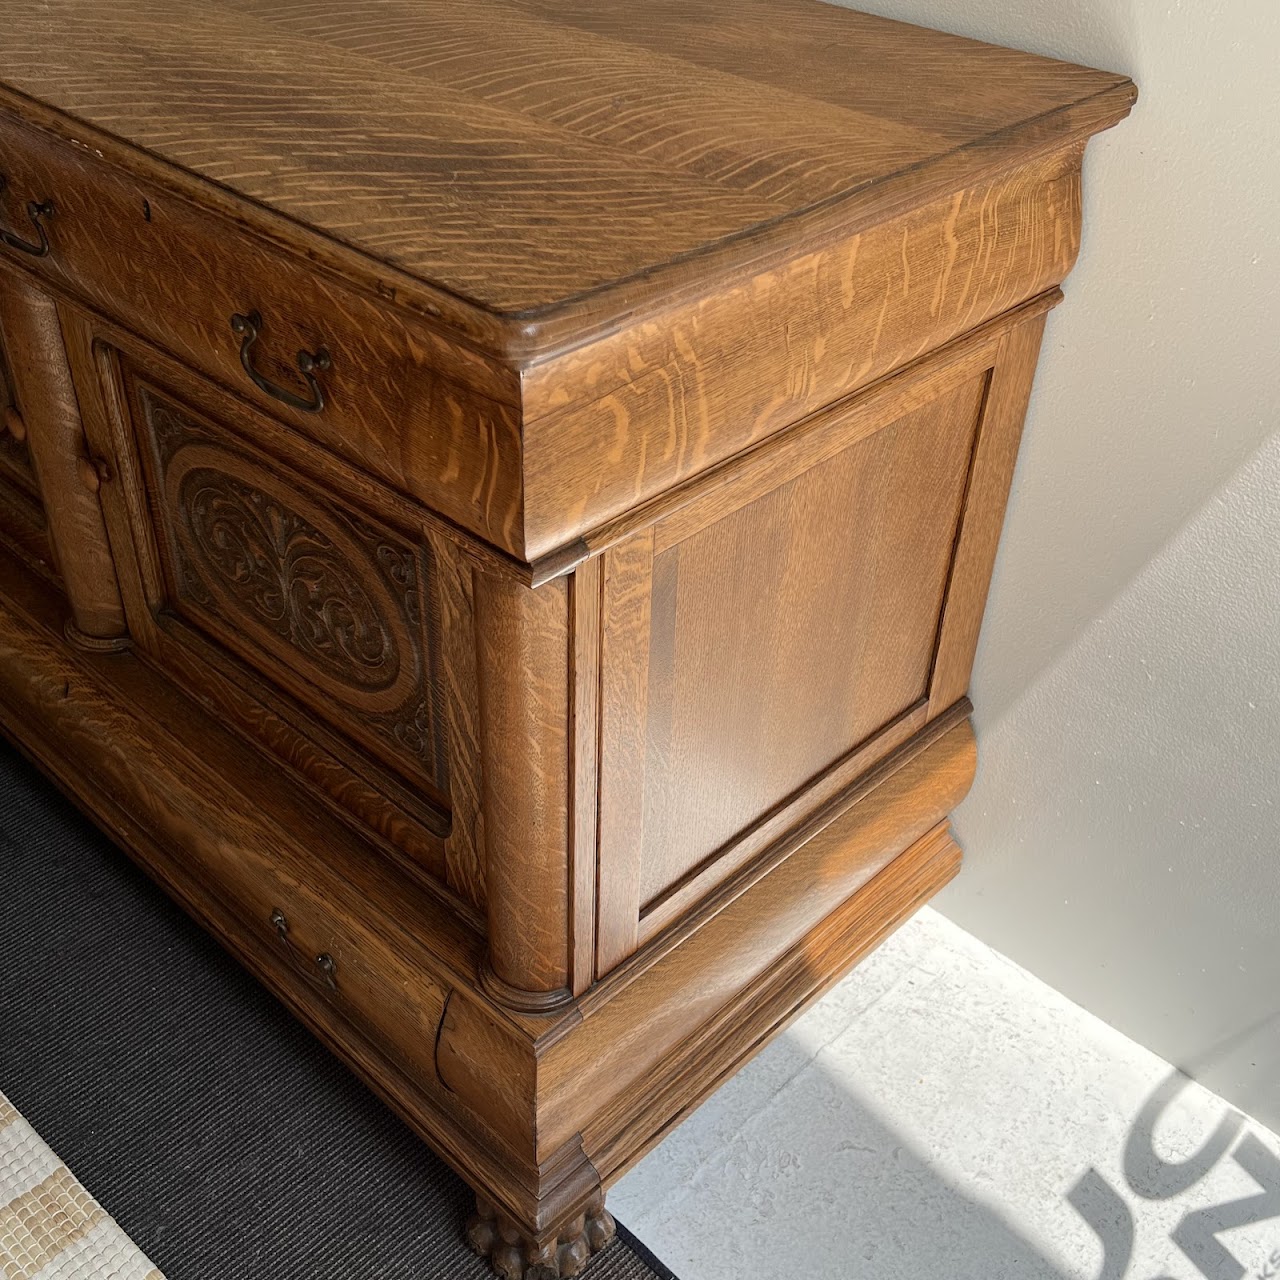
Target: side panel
{"x": 763, "y": 647}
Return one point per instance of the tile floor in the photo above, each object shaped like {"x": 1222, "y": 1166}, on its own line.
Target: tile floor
{"x": 944, "y": 1113}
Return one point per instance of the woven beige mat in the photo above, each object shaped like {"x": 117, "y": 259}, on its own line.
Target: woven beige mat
{"x": 51, "y": 1228}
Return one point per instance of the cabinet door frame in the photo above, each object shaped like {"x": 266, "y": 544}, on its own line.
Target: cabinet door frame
{"x": 24, "y": 528}
{"x": 361, "y": 790}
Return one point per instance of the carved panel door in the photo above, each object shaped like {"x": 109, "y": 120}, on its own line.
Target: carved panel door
{"x": 305, "y": 620}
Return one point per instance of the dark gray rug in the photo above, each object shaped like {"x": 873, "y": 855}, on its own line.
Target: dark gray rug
{"x": 225, "y": 1141}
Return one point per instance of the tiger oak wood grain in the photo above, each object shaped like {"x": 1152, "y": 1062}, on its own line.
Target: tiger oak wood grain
{"x": 545, "y": 459}
{"x": 413, "y": 821}
{"x": 457, "y": 181}
{"x": 23, "y": 525}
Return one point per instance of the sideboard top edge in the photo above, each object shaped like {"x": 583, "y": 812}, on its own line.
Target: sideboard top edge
{"x": 1084, "y": 103}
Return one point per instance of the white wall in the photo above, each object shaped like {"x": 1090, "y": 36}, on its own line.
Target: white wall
{"x": 1123, "y": 836}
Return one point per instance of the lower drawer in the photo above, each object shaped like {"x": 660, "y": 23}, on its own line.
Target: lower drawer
{"x": 339, "y": 951}
{"x": 239, "y": 843}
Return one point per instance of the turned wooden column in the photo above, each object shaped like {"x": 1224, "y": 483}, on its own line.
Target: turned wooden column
{"x": 69, "y": 477}
{"x": 523, "y": 664}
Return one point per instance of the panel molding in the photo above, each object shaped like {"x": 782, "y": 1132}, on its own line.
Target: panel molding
{"x": 995, "y": 454}
{"x": 624, "y": 693}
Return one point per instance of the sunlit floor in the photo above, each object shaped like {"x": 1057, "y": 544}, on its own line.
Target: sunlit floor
{"x": 943, "y": 1113}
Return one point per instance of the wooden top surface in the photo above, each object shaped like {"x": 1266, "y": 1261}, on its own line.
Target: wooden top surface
{"x": 528, "y": 158}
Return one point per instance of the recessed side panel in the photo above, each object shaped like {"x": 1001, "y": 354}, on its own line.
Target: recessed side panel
{"x": 788, "y": 643}
{"x": 788, "y": 633}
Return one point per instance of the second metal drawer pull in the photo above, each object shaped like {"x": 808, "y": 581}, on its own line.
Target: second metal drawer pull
{"x": 36, "y": 210}
{"x": 309, "y": 363}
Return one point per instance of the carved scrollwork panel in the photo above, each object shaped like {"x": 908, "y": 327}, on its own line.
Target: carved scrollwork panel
{"x": 326, "y": 605}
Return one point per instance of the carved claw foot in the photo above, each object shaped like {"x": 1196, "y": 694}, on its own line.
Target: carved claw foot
{"x": 514, "y": 1255}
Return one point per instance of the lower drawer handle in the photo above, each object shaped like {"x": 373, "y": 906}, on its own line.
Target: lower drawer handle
{"x": 280, "y": 923}
{"x": 309, "y": 364}
{"x": 36, "y": 211}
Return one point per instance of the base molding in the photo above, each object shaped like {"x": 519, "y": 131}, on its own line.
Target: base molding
{"x": 763, "y": 1010}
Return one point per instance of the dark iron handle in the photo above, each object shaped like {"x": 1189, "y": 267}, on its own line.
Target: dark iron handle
{"x": 36, "y": 210}
{"x": 309, "y": 364}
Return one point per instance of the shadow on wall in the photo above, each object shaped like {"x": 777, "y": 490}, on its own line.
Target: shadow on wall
{"x": 1158, "y": 377}
{"x": 1124, "y": 827}
{"x": 1121, "y": 836}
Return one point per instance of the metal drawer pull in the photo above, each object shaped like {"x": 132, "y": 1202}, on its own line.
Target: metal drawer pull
{"x": 36, "y": 210}
{"x": 309, "y": 363}
{"x": 324, "y": 961}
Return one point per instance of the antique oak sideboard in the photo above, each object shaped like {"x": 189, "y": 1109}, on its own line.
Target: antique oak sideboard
{"x": 496, "y": 506}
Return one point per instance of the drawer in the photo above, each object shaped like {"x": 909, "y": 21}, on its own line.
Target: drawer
{"x": 367, "y": 381}
{"x": 330, "y": 941}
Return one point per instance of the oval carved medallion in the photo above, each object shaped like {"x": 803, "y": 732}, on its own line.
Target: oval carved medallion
{"x": 316, "y": 598}
{"x": 289, "y": 574}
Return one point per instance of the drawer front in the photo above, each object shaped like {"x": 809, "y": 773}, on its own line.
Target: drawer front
{"x": 329, "y": 943}
{"x": 362, "y": 379}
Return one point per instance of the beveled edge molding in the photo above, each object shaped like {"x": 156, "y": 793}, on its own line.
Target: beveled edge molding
{"x": 813, "y": 823}
{"x": 678, "y": 1018}
{"x": 524, "y": 338}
